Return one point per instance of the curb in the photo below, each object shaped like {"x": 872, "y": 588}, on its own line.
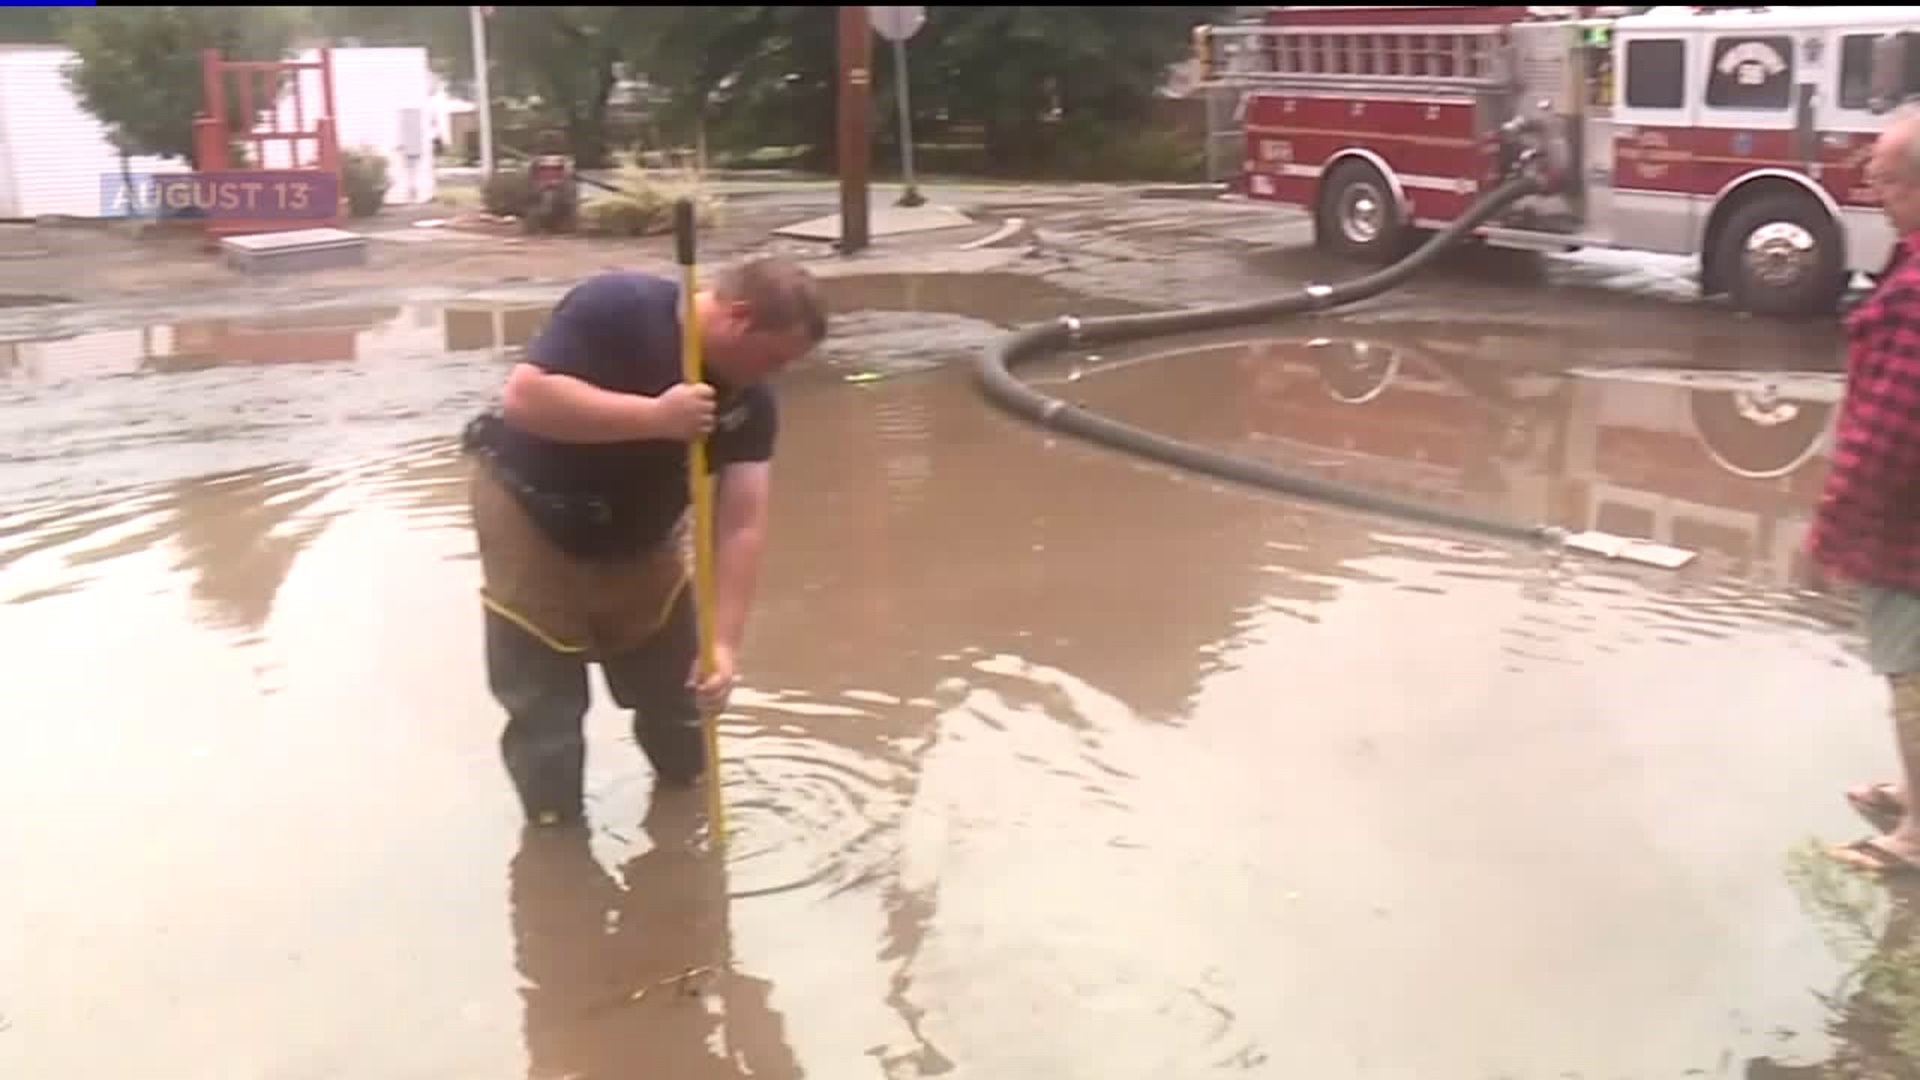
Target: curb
{"x": 1012, "y": 229}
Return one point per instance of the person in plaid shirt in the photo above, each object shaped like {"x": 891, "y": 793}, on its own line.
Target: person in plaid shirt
{"x": 1867, "y": 529}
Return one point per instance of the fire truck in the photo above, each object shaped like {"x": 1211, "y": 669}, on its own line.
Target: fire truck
{"x": 1735, "y": 135}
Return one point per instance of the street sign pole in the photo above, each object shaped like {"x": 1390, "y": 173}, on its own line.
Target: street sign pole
{"x": 897, "y": 24}
{"x": 482, "y": 96}
{"x": 911, "y": 196}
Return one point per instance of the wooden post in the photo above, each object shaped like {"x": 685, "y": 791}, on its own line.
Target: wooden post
{"x": 856, "y": 141}
{"x": 329, "y": 133}
{"x": 213, "y": 87}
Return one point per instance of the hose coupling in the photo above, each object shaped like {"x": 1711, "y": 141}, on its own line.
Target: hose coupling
{"x": 1072, "y": 325}
{"x": 1321, "y": 295}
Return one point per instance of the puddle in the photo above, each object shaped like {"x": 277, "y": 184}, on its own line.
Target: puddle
{"x": 319, "y": 383}
{"x": 1726, "y": 462}
{"x": 1046, "y": 762}
{"x": 1001, "y": 299}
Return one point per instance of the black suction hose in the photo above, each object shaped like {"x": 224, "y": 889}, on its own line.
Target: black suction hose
{"x": 994, "y": 373}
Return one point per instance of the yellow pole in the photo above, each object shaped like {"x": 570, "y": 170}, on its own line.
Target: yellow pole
{"x": 692, "y": 370}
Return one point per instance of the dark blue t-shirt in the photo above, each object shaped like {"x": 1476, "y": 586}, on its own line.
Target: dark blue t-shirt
{"x": 621, "y": 331}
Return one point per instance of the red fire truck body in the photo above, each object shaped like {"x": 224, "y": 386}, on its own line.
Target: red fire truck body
{"x": 1736, "y": 135}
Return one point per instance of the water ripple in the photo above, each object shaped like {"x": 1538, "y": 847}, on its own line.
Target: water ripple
{"x": 805, "y": 810}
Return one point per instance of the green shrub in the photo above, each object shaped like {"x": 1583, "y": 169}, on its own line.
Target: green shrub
{"x": 554, "y": 211}
{"x": 458, "y": 198}
{"x": 364, "y": 174}
{"x": 508, "y": 192}
{"x": 608, "y": 214}
{"x": 1155, "y": 154}
{"x": 1874, "y": 1013}
{"x": 644, "y": 205}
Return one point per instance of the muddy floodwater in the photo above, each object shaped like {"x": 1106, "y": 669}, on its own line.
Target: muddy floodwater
{"x": 1047, "y": 763}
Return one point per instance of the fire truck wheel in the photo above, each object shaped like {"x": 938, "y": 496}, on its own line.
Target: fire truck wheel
{"x": 1780, "y": 255}
{"x": 1358, "y": 217}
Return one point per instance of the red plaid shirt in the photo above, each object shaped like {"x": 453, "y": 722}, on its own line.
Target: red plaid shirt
{"x": 1867, "y": 528}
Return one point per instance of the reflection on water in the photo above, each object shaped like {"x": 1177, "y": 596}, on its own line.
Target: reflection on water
{"x": 1048, "y": 763}
{"x": 1728, "y": 463}
{"x": 628, "y": 973}
{"x": 323, "y": 335}
{"x": 1874, "y": 928}
{"x": 112, "y": 409}
{"x": 314, "y": 336}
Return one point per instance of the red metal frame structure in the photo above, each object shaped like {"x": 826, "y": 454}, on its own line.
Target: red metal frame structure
{"x": 312, "y": 145}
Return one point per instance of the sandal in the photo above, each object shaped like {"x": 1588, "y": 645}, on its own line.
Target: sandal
{"x": 1871, "y": 856}
{"x": 1878, "y": 805}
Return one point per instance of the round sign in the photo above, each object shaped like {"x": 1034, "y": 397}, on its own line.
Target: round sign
{"x": 897, "y": 23}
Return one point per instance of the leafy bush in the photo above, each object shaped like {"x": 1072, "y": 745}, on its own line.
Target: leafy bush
{"x": 667, "y": 187}
{"x": 644, "y": 205}
{"x": 364, "y": 174}
{"x": 622, "y": 215}
{"x": 458, "y": 198}
{"x": 1874, "y": 931}
{"x": 1155, "y": 154}
{"x": 553, "y": 211}
{"x": 508, "y": 192}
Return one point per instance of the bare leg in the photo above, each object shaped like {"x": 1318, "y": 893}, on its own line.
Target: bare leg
{"x": 1899, "y": 847}
{"x": 1890, "y": 619}
{"x": 1905, "y": 838}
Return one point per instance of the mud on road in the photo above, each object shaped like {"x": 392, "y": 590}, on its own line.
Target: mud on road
{"x": 1154, "y": 247}
{"x": 76, "y": 271}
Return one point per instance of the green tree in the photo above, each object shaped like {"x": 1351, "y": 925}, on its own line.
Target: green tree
{"x": 1025, "y": 72}
{"x": 443, "y": 31}
{"x": 30, "y": 25}
{"x": 563, "y": 57}
{"x": 745, "y": 76}
{"x": 566, "y": 57}
{"x": 756, "y": 76}
{"x": 138, "y": 69}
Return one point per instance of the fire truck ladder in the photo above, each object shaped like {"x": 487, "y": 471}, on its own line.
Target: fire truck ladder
{"x": 1236, "y": 61}
{"x": 1467, "y": 57}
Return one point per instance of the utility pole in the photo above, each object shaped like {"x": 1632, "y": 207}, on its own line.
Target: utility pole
{"x": 477, "y": 24}
{"x": 856, "y": 142}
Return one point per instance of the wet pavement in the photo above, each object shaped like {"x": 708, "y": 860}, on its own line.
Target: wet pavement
{"x": 1048, "y": 763}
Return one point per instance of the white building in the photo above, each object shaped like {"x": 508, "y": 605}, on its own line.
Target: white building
{"x": 54, "y": 156}
{"x": 384, "y": 100}
{"x": 55, "y": 159}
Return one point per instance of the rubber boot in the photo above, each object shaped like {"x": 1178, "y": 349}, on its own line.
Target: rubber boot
{"x": 674, "y": 742}
{"x": 543, "y": 747}
{"x": 652, "y": 681}
{"x": 548, "y": 774}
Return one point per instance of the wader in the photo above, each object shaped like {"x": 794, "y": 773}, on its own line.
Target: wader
{"x": 549, "y": 614}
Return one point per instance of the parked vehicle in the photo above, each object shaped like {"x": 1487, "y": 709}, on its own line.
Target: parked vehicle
{"x": 1738, "y": 135}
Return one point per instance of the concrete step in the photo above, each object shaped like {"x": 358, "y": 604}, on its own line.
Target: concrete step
{"x": 294, "y": 251}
